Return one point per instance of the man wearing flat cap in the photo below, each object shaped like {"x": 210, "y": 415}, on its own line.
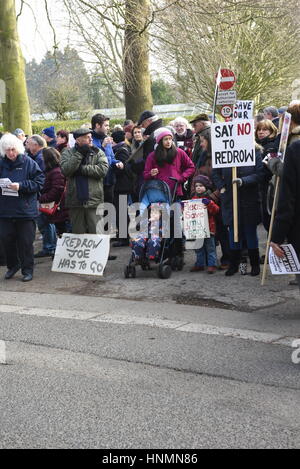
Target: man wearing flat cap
{"x": 202, "y": 125}
{"x": 85, "y": 167}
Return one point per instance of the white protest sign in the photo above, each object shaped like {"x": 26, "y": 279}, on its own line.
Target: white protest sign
{"x": 288, "y": 265}
{"x": 226, "y": 97}
{"x": 195, "y": 220}
{"x": 284, "y": 135}
{"x": 81, "y": 254}
{"x": 243, "y": 110}
{"x": 233, "y": 144}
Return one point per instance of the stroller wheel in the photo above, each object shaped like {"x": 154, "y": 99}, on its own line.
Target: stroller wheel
{"x": 129, "y": 271}
{"x": 164, "y": 271}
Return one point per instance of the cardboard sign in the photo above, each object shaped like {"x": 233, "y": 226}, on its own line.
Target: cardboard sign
{"x": 195, "y": 220}
{"x": 81, "y": 254}
{"x": 233, "y": 144}
{"x": 243, "y": 110}
{"x": 288, "y": 265}
{"x": 226, "y": 97}
{"x": 284, "y": 135}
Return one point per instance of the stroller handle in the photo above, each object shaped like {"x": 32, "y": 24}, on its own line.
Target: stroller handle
{"x": 173, "y": 179}
{"x": 175, "y": 188}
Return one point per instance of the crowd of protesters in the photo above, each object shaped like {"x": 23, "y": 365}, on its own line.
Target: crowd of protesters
{"x": 77, "y": 172}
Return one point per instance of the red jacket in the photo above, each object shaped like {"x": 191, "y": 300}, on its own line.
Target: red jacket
{"x": 213, "y": 210}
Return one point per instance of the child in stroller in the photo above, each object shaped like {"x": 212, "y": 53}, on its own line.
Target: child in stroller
{"x": 150, "y": 244}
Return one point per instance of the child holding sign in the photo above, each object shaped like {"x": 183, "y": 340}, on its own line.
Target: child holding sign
{"x": 202, "y": 190}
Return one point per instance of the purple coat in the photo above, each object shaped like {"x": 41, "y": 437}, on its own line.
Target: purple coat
{"x": 53, "y": 191}
{"x": 182, "y": 169}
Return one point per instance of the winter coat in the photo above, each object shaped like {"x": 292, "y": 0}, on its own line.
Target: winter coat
{"x": 54, "y": 191}
{"x": 269, "y": 145}
{"x": 287, "y": 221}
{"x": 109, "y": 179}
{"x": 95, "y": 171}
{"x": 248, "y": 193}
{"x": 182, "y": 169}
{"x": 124, "y": 182}
{"x": 188, "y": 142}
{"x": 212, "y": 209}
{"x": 38, "y": 158}
{"x": 28, "y": 174}
{"x": 138, "y": 159}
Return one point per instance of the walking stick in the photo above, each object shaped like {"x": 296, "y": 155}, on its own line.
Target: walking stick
{"x": 270, "y": 231}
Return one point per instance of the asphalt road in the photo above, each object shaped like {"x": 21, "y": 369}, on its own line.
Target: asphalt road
{"x": 196, "y": 361}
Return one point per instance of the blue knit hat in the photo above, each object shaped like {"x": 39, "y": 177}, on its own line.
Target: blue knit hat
{"x": 50, "y": 132}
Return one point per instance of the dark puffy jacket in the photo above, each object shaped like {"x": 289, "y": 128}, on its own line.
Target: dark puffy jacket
{"x": 248, "y": 194}
{"x": 187, "y": 142}
{"x": 27, "y": 173}
{"x": 287, "y": 221}
{"x": 54, "y": 191}
{"x": 38, "y": 158}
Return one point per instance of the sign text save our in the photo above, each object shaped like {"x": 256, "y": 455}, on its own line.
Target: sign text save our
{"x": 233, "y": 144}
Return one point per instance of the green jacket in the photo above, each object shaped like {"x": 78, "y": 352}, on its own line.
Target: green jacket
{"x": 95, "y": 170}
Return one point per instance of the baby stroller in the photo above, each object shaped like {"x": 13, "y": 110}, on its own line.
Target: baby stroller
{"x": 171, "y": 250}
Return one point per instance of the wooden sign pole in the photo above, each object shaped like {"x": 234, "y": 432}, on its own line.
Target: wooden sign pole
{"x": 235, "y": 207}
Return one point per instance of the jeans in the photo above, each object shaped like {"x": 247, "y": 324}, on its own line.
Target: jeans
{"x": 247, "y": 237}
{"x": 48, "y": 232}
{"x": 207, "y": 254}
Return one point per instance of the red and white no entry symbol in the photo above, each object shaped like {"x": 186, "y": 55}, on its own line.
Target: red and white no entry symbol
{"x": 228, "y": 79}
{"x": 226, "y": 111}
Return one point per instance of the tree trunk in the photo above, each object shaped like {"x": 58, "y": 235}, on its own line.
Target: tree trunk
{"x": 16, "y": 110}
{"x": 137, "y": 82}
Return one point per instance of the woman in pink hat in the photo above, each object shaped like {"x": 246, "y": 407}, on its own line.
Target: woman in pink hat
{"x": 168, "y": 161}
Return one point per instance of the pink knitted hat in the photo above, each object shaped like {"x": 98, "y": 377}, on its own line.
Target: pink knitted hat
{"x": 161, "y": 133}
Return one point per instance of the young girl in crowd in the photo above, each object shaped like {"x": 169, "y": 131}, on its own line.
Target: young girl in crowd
{"x": 202, "y": 190}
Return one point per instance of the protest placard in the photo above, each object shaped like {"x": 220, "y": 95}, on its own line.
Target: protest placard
{"x": 288, "y": 265}
{"x": 195, "y": 220}
{"x": 81, "y": 254}
{"x": 243, "y": 110}
{"x": 233, "y": 144}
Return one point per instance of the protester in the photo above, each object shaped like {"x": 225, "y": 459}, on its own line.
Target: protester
{"x": 49, "y": 135}
{"x": 287, "y": 221}
{"x": 54, "y": 191}
{"x": 266, "y": 137}
{"x": 85, "y": 167}
{"x": 20, "y": 134}
{"x": 35, "y": 146}
{"x": 168, "y": 161}
{"x": 271, "y": 113}
{"x": 136, "y": 138}
{"x": 62, "y": 140}
{"x": 202, "y": 189}
{"x": 124, "y": 182}
{"x": 247, "y": 182}
{"x": 184, "y": 136}
{"x": 201, "y": 124}
{"x": 128, "y": 133}
{"x": 18, "y": 209}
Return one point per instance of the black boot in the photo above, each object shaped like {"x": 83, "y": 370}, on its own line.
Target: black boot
{"x": 254, "y": 261}
{"x": 235, "y": 259}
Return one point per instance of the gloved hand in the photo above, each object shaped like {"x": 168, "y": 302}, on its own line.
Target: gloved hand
{"x": 238, "y": 182}
{"x": 275, "y": 165}
{"x": 205, "y": 201}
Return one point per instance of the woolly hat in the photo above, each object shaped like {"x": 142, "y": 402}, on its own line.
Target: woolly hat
{"x": 204, "y": 180}
{"x": 50, "y": 132}
{"x": 118, "y": 136}
{"x": 159, "y": 134}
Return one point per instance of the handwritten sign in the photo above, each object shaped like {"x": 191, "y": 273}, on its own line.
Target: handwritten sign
{"x": 233, "y": 144}
{"x": 81, "y": 254}
{"x": 243, "y": 110}
{"x": 195, "y": 220}
{"x": 288, "y": 265}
